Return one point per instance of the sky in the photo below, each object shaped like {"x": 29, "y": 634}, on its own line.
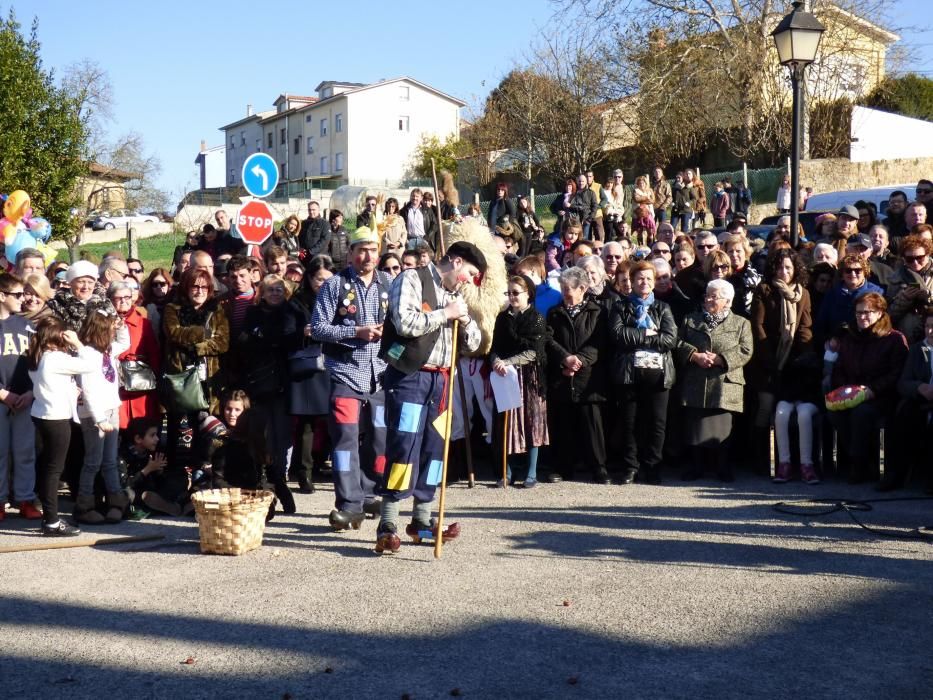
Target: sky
{"x": 180, "y": 70}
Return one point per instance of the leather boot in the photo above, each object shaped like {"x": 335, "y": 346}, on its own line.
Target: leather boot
{"x": 285, "y": 496}
{"x": 85, "y": 511}
{"x": 117, "y": 504}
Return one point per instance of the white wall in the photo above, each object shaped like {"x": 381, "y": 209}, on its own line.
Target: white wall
{"x": 878, "y": 135}
{"x": 215, "y": 163}
{"x": 378, "y": 151}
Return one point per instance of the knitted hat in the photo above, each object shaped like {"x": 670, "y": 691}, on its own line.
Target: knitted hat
{"x": 364, "y": 234}
{"x": 82, "y": 268}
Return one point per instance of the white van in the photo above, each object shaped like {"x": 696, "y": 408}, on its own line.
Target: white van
{"x": 834, "y": 201}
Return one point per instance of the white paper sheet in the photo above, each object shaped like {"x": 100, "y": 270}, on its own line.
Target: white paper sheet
{"x": 506, "y": 389}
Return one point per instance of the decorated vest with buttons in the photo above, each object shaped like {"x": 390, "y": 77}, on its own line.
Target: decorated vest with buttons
{"x": 349, "y": 312}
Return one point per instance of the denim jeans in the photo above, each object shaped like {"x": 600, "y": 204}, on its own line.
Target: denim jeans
{"x": 100, "y": 454}
{"x": 685, "y": 221}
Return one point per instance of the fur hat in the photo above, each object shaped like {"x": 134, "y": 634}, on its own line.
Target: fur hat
{"x": 82, "y": 268}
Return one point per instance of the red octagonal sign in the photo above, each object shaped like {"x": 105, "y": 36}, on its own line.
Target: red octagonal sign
{"x": 254, "y": 222}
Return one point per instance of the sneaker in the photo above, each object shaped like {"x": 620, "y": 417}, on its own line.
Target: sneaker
{"x": 419, "y": 531}
{"x": 59, "y": 529}
{"x": 782, "y": 473}
{"x": 808, "y": 474}
{"x": 29, "y": 511}
{"x": 387, "y": 541}
{"x": 530, "y": 483}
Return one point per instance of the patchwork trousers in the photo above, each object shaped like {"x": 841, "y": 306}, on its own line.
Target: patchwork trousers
{"x": 358, "y": 465}
{"x": 415, "y": 440}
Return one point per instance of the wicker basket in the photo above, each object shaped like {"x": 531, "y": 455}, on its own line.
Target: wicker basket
{"x": 231, "y": 521}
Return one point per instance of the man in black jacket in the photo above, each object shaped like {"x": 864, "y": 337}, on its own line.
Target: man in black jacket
{"x": 420, "y": 221}
{"x": 314, "y": 235}
{"x": 583, "y": 205}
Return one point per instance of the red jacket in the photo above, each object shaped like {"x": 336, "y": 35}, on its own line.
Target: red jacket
{"x": 144, "y": 346}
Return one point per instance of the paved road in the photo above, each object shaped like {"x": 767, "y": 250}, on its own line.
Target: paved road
{"x": 696, "y": 591}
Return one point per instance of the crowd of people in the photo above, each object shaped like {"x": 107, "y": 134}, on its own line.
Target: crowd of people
{"x": 644, "y": 344}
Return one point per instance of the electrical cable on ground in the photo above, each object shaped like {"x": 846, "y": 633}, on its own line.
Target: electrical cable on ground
{"x": 806, "y": 508}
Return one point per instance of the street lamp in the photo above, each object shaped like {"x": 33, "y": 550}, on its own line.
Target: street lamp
{"x": 797, "y": 38}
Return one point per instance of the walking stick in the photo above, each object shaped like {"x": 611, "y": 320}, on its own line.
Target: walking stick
{"x": 439, "y": 253}
{"x": 68, "y": 544}
{"x": 466, "y": 431}
{"x": 505, "y": 449}
{"x": 439, "y": 538}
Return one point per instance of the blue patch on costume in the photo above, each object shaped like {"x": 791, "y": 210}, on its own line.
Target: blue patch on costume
{"x": 379, "y": 416}
{"x": 435, "y": 470}
{"x": 341, "y": 460}
{"x": 410, "y": 417}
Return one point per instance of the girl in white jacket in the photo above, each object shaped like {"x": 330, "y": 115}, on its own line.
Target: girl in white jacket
{"x": 52, "y": 369}
{"x": 105, "y": 337}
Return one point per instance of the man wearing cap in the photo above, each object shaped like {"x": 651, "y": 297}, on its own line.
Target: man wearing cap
{"x": 924, "y": 194}
{"x": 348, "y": 319}
{"x": 417, "y": 347}
{"x": 846, "y": 222}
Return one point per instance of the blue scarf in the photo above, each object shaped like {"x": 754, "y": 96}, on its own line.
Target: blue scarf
{"x": 642, "y": 319}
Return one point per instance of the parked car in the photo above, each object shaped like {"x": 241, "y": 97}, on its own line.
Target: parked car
{"x": 122, "y": 217}
{"x": 833, "y": 201}
{"x": 806, "y": 218}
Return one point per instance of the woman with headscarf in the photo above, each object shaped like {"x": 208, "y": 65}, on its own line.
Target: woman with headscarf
{"x": 518, "y": 341}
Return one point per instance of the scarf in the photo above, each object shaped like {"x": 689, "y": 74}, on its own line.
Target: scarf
{"x": 790, "y": 297}
{"x": 572, "y": 311}
{"x": 713, "y": 320}
{"x": 642, "y": 320}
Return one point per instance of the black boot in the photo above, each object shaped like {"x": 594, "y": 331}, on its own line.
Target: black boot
{"x": 285, "y": 496}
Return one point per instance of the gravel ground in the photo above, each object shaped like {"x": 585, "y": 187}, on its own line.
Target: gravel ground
{"x": 567, "y": 590}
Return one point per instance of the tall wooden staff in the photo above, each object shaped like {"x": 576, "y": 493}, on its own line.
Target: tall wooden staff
{"x": 467, "y": 430}
{"x": 505, "y": 449}
{"x": 439, "y": 538}
{"x": 439, "y": 253}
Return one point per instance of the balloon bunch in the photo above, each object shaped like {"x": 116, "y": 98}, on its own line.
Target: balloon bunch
{"x": 19, "y": 229}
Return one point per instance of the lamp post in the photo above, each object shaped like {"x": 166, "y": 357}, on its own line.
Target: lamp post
{"x": 797, "y": 38}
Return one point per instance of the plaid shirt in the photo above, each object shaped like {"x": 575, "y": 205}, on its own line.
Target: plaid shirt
{"x": 363, "y": 372}
{"x": 410, "y": 320}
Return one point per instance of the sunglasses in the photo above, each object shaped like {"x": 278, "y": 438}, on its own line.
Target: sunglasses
{"x": 706, "y": 246}
{"x": 135, "y": 270}
{"x": 613, "y": 257}
{"x": 853, "y": 271}
{"x": 160, "y": 283}
{"x": 914, "y": 258}
{"x": 515, "y": 292}
{"x": 721, "y": 267}
{"x": 924, "y": 190}
{"x": 15, "y": 295}
{"x": 199, "y": 287}
{"x": 662, "y": 250}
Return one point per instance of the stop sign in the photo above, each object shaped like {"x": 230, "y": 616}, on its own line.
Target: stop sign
{"x": 254, "y": 222}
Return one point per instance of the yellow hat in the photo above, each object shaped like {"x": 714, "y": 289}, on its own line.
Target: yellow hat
{"x": 364, "y": 234}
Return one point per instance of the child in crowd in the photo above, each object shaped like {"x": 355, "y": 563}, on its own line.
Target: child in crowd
{"x": 150, "y": 486}
{"x": 52, "y": 370}
{"x": 105, "y": 338}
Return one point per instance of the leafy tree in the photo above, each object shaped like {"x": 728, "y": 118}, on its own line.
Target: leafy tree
{"x": 43, "y": 135}
{"x": 910, "y": 95}
{"x": 444, "y": 155}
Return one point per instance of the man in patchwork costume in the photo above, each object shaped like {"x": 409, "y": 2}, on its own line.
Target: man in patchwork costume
{"x": 416, "y": 345}
{"x": 348, "y": 319}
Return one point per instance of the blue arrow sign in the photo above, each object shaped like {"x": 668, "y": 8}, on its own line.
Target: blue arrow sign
{"x": 260, "y": 175}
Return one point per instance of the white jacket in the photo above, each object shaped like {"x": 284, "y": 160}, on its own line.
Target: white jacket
{"x": 53, "y": 384}
{"x": 98, "y": 395}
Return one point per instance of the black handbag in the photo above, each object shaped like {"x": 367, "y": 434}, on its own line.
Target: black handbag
{"x": 306, "y": 361}
{"x": 136, "y": 375}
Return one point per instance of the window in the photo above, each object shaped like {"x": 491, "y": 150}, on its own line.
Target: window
{"x": 325, "y": 167}
{"x": 338, "y": 162}
{"x": 324, "y": 127}
{"x": 282, "y": 136}
{"x": 310, "y": 142}
{"x": 403, "y": 123}
{"x": 282, "y": 171}
{"x": 297, "y": 148}
{"x": 308, "y": 118}
{"x": 242, "y": 138}
{"x": 231, "y": 178}
{"x": 338, "y": 123}
{"x": 232, "y": 142}
{"x": 403, "y": 93}
{"x": 258, "y": 145}
{"x": 269, "y": 140}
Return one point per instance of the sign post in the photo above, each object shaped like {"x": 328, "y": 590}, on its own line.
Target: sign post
{"x": 254, "y": 222}
{"x": 260, "y": 177}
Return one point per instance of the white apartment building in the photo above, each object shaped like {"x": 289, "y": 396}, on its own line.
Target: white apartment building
{"x": 211, "y": 164}
{"x": 361, "y": 134}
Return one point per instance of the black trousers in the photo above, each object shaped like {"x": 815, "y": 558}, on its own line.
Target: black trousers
{"x": 643, "y": 421}
{"x": 52, "y": 438}
{"x": 909, "y": 440}
{"x": 575, "y": 429}
{"x": 857, "y": 431}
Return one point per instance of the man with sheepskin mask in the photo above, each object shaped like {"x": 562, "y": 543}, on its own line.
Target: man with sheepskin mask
{"x": 416, "y": 346}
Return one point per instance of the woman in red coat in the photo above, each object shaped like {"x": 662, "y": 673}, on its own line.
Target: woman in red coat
{"x": 143, "y": 346}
